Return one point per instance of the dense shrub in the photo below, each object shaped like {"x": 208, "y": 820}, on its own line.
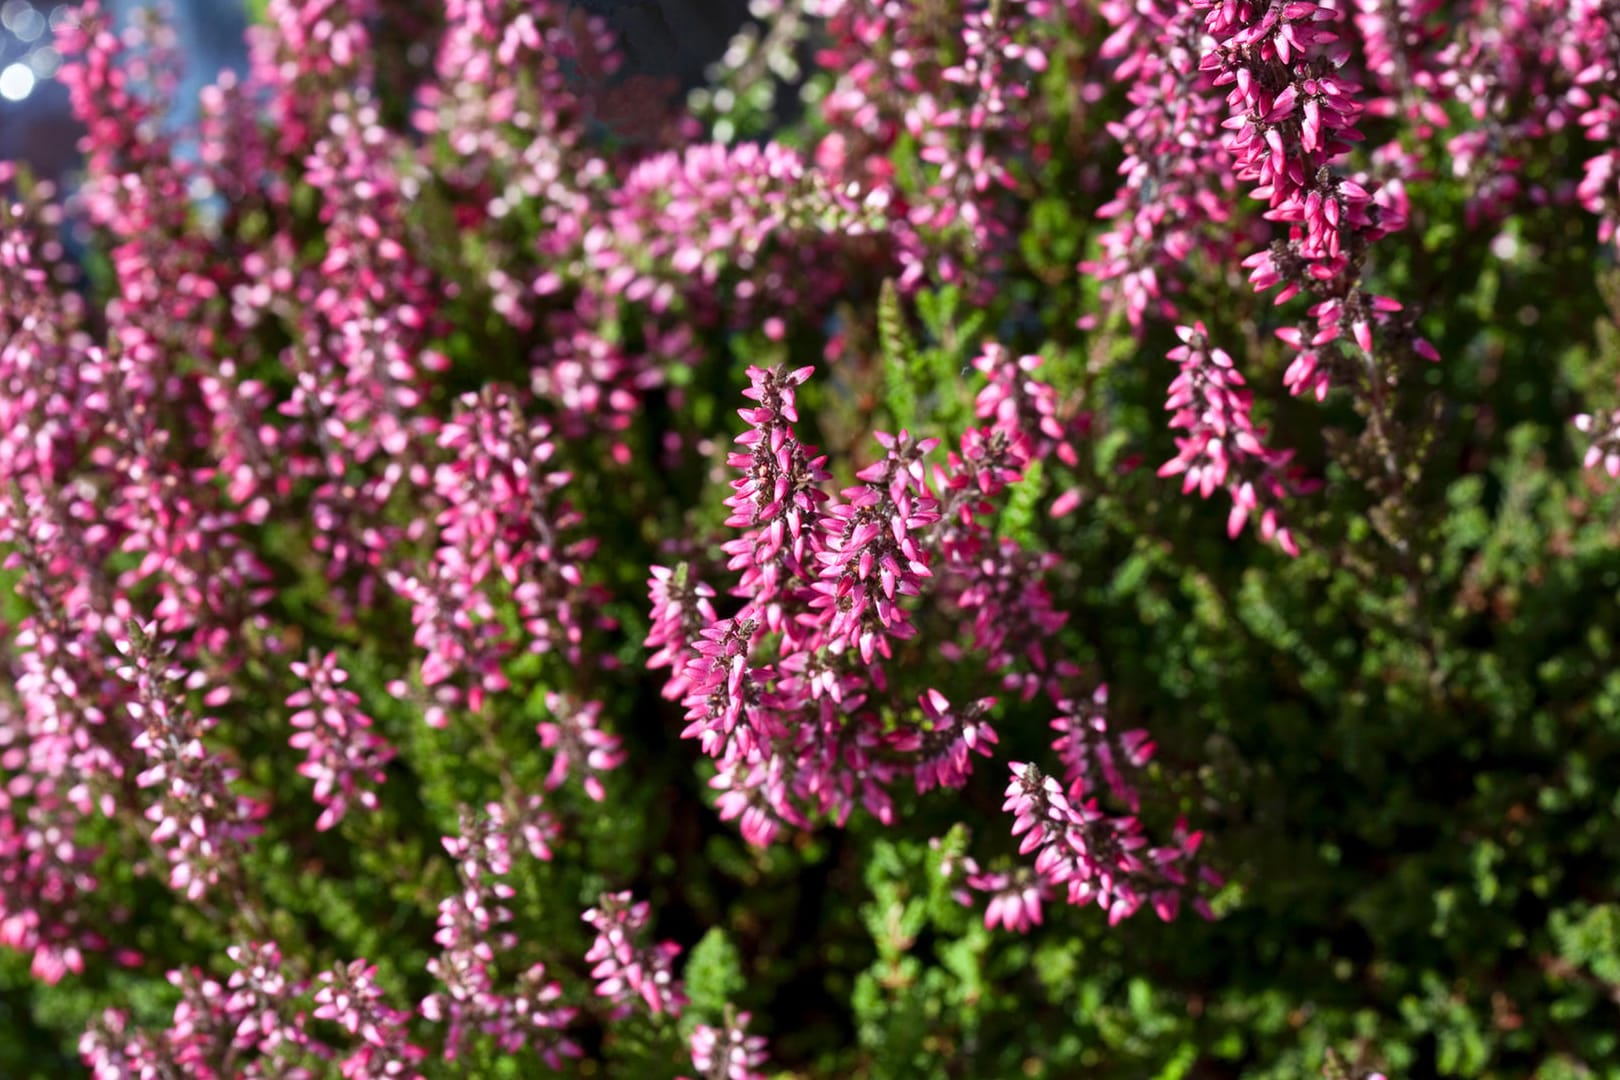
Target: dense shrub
{"x": 505, "y": 574}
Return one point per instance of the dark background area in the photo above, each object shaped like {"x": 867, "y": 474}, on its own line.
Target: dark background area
{"x": 663, "y": 39}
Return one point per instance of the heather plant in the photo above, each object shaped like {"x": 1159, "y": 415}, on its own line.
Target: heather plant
{"x": 511, "y": 571}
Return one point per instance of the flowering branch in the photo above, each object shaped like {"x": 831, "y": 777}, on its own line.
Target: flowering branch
{"x": 1223, "y": 447}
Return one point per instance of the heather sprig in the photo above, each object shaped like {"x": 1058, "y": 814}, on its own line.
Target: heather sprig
{"x": 1293, "y": 118}
{"x": 255, "y": 1024}
{"x": 627, "y": 968}
{"x": 785, "y": 702}
{"x": 1177, "y": 178}
{"x": 344, "y": 757}
{"x": 1596, "y": 34}
{"x": 956, "y": 82}
{"x": 200, "y": 818}
{"x": 728, "y": 1052}
{"x": 476, "y": 938}
{"x": 778, "y": 498}
{"x": 1089, "y": 750}
{"x": 1092, "y": 856}
{"x": 578, "y": 744}
{"x": 1223, "y": 447}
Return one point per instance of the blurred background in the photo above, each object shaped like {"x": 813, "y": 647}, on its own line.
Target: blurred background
{"x": 35, "y": 123}
{"x": 665, "y": 39}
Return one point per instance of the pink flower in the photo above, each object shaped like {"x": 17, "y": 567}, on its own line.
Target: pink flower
{"x": 349, "y": 997}
{"x": 579, "y": 744}
{"x": 1016, "y": 899}
{"x": 944, "y": 747}
{"x": 1223, "y": 447}
{"x": 198, "y": 818}
{"x": 1095, "y": 857}
{"x": 1604, "y": 431}
{"x": 681, "y": 608}
{"x": 1292, "y": 119}
{"x": 728, "y": 1052}
{"x": 626, "y": 968}
{"x": 1087, "y": 748}
{"x": 778, "y": 498}
{"x": 1175, "y": 192}
{"x": 870, "y": 555}
{"x": 474, "y": 927}
{"x": 342, "y": 754}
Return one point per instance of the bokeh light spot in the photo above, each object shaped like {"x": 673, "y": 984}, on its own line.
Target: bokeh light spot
{"x": 17, "y": 82}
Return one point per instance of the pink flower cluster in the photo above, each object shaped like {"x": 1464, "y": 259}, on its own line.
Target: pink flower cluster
{"x": 1089, "y": 750}
{"x": 1398, "y": 41}
{"x": 788, "y": 695}
{"x": 1017, "y": 897}
{"x": 199, "y": 819}
{"x": 1175, "y": 196}
{"x": 664, "y": 248}
{"x": 1604, "y": 450}
{"x": 728, "y": 1052}
{"x": 962, "y": 92}
{"x": 1083, "y": 851}
{"x": 349, "y": 996}
{"x": 1525, "y": 71}
{"x": 1292, "y": 118}
{"x": 945, "y": 744}
{"x": 826, "y": 580}
{"x": 579, "y": 744}
{"x": 1024, "y": 409}
{"x": 1596, "y": 93}
{"x": 503, "y": 536}
{"x": 344, "y": 757}
{"x": 45, "y": 878}
{"x": 253, "y": 1026}
{"x": 627, "y": 967}
{"x": 475, "y": 934}
{"x": 256, "y": 1024}
{"x": 1097, "y": 858}
{"x": 1481, "y": 88}
{"x": 1223, "y": 447}
{"x": 62, "y": 738}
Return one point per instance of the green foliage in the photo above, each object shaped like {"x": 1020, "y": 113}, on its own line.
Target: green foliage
{"x": 714, "y": 975}
{"x": 899, "y": 358}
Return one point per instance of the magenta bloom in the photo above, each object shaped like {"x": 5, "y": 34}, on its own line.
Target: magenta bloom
{"x": 1223, "y": 447}
{"x": 626, "y": 968}
{"x": 728, "y": 1052}
{"x": 342, "y": 754}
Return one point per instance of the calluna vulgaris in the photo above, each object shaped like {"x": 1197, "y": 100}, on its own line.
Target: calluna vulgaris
{"x": 379, "y": 538}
